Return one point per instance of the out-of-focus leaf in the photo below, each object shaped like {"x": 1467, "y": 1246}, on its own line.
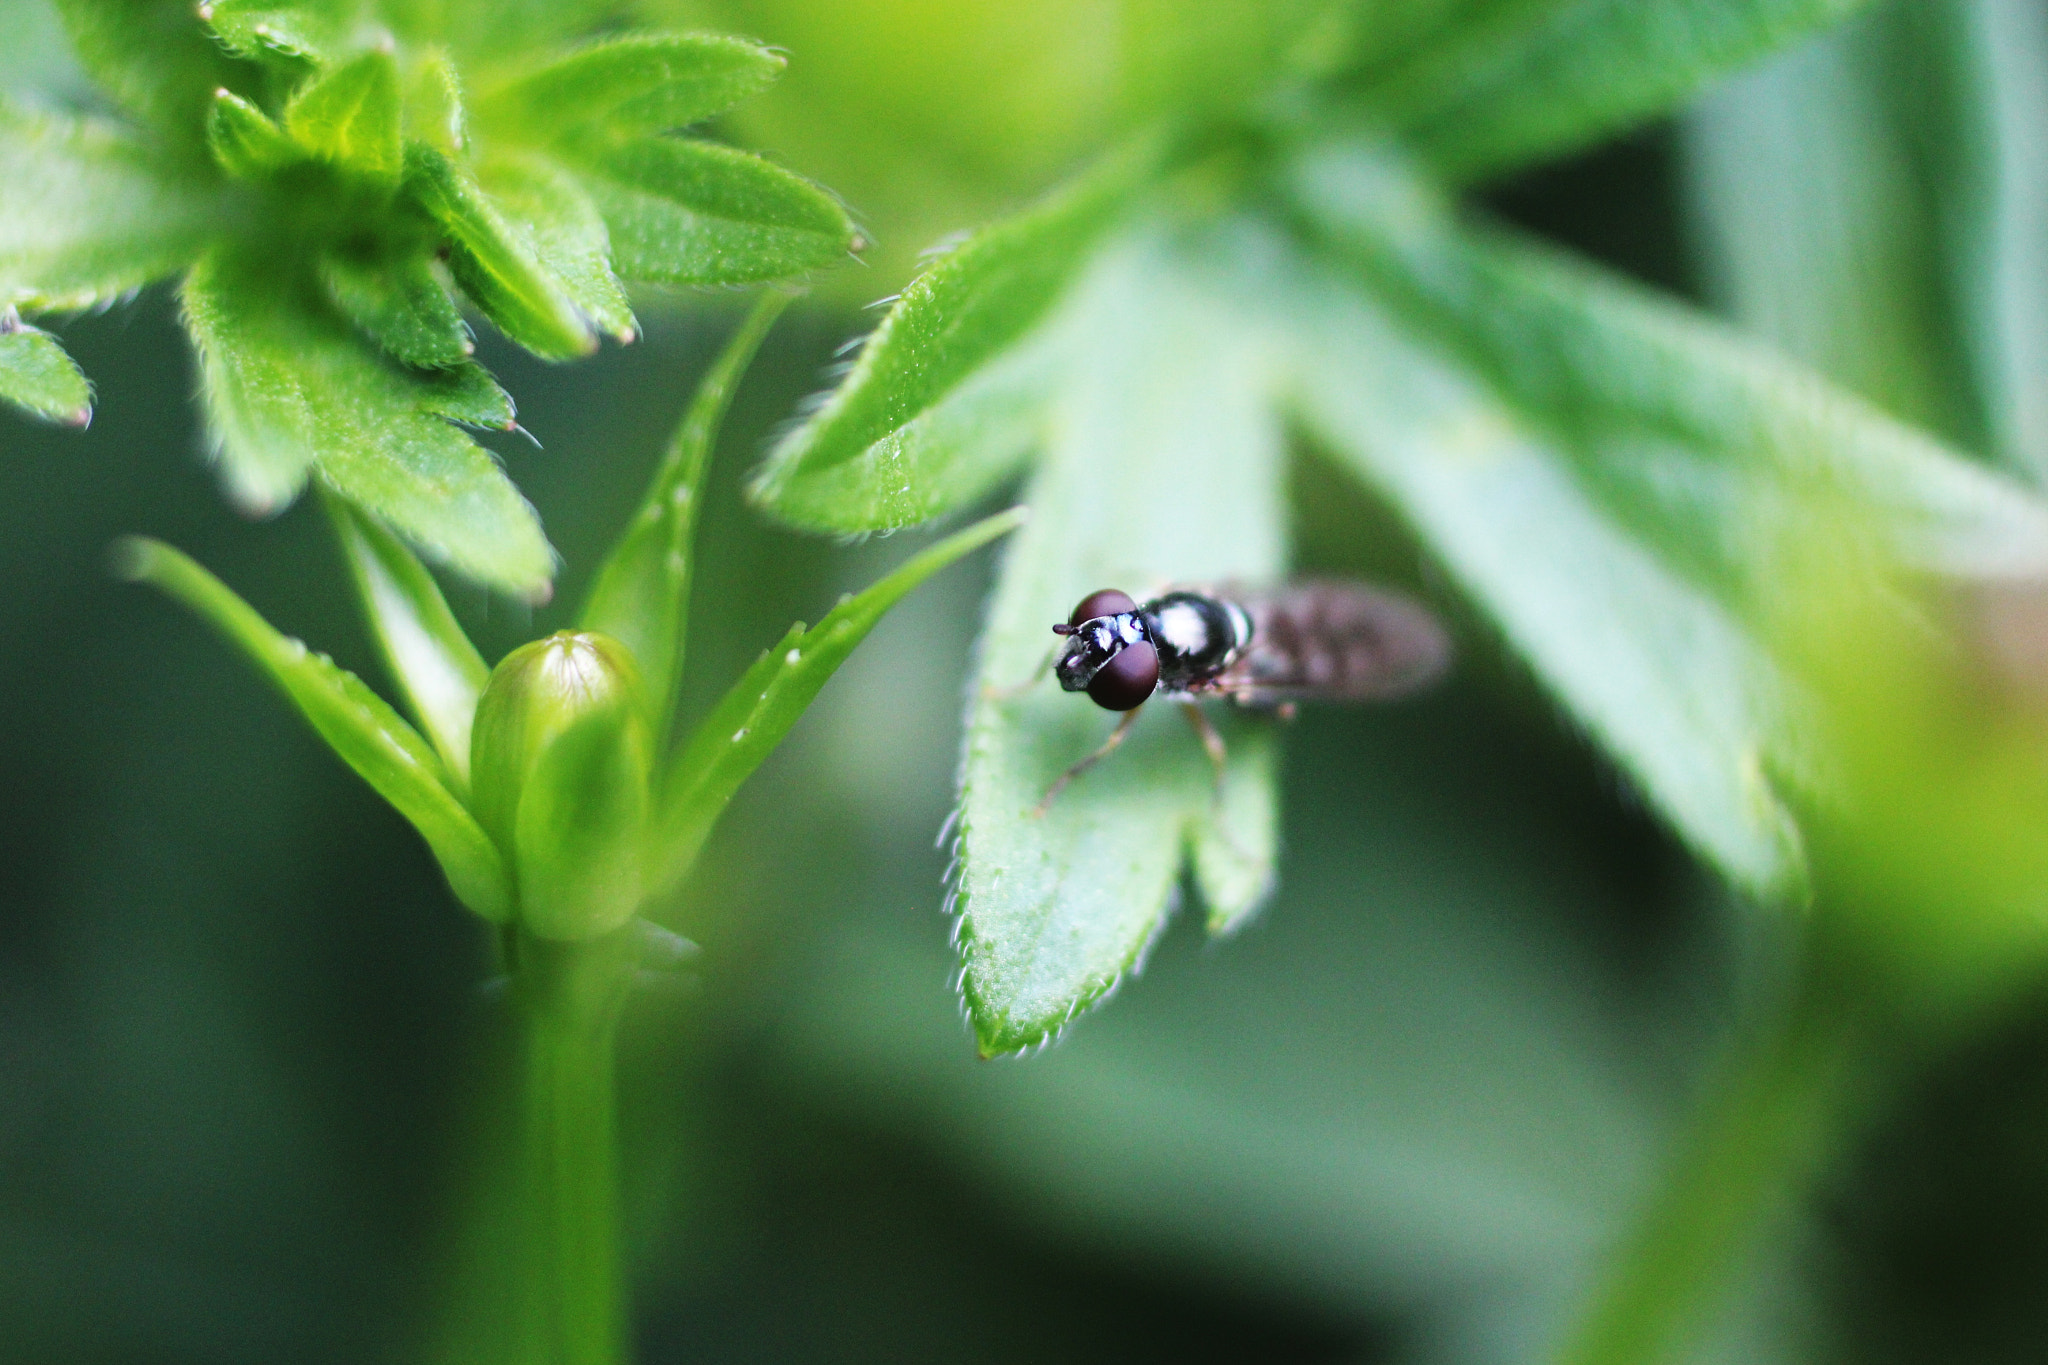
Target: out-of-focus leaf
{"x": 317, "y": 31}
{"x": 88, "y": 213}
{"x": 1870, "y": 202}
{"x": 686, "y": 212}
{"x": 623, "y": 87}
{"x": 401, "y": 303}
{"x": 433, "y": 111}
{"x": 1615, "y": 481}
{"x": 758, "y": 710}
{"x": 356, "y": 723}
{"x": 290, "y": 389}
{"x": 641, "y": 596}
{"x": 496, "y": 263}
{"x": 1164, "y": 466}
{"x": 37, "y": 375}
{"x": 350, "y": 115}
{"x": 919, "y": 454}
{"x": 501, "y": 31}
{"x": 566, "y": 233}
{"x": 244, "y": 141}
{"x": 1515, "y": 82}
{"x": 433, "y": 662}
{"x": 156, "y": 59}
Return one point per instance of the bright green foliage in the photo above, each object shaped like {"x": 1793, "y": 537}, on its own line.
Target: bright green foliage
{"x": 758, "y": 711}
{"x": 435, "y": 666}
{"x": 904, "y": 438}
{"x": 560, "y": 757}
{"x": 1512, "y": 82}
{"x": 36, "y": 375}
{"x": 641, "y": 595}
{"x": 336, "y": 148}
{"x": 361, "y": 729}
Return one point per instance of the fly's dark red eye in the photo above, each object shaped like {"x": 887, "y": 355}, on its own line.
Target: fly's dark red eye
{"x": 1126, "y": 680}
{"x": 1108, "y": 602}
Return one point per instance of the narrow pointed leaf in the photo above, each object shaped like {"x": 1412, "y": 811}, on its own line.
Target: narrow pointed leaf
{"x": 317, "y": 31}
{"x": 402, "y": 305}
{"x": 758, "y": 711}
{"x": 642, "y": 593}
{"x": 244, "y": 141}
{"x": 1165, "y": 467}
{"x": 1621, "y": 485}
{"x": 433, "y": 111}
{"x": 156, "y": 59}
{"x": 548, "y": 206}
{"x": 496, "y": 263}
{"x": 37, "y": 376}
{"x": 684, "y": 212}
{"x": 350, "y": 116}
{"x": 363, "y": 731}
{"x": 951, "y": 326}
{"x": 290, "y": 389}
{"x": 432, "y": 660}
{"x": 1519, "y": 81}
{"x": 622, "y": 87}
{"x": 89, "y": 213}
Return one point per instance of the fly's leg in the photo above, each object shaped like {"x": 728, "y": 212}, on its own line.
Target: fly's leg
{"x": 1212, "y": 743}
{"x": 1116, "y": 737}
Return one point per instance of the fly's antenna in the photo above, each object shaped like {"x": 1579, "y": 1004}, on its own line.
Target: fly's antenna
{"x": 1062, "y": 628}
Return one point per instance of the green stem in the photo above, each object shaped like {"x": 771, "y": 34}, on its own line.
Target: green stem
{"x": 570, "y": 1303}
{"x": 1760, "y": 1137}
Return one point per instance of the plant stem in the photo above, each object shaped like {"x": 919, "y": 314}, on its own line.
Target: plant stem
{"x": 569, "y": 1301}
{"x": 1760, "y": 1136}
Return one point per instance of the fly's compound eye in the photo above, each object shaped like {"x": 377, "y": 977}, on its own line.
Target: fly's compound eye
{"x": 1127, "y": 680}
{"x": 1108, "y": 602}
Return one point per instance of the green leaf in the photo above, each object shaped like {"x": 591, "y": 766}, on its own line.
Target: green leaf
{"x": 291, "y": 390}
{"x": 433, "y": 111}
{"x": 887, "y": 450}
{"x": 156, "y": 59}
{"x": 37, "y": 376}
{"x": 350, "y": 115}
{"x": 1868, "y": 202}
{"x": 89, "y": 214}
{"x": 758, "y": 711}
{"x": 642, "y": 593}
{"x": 433, "y": 662}
{"x": 316, "y": 31}
{"x": 1621, "y": 485}
{"x": 401, "y": 303}
{"x": 356, "y": 723}
{"x": 497, "y": 264}
{"x": 1522, "y": 80}
{"x": 244, "y": 141}
{"x": 695, "y": 213}
{"x": 1165, "y": 466}
{"x": 566, "y": 233}
{"x": 623, "y": 87}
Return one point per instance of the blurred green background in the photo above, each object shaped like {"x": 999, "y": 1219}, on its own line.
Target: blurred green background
{"x": 1396, "y": 1119}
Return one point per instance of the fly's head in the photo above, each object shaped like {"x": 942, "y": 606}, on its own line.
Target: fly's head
{"x": 1108, "y": 655}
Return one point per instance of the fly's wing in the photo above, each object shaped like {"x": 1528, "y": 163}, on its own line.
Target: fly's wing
{"x": 1330, "y": 640}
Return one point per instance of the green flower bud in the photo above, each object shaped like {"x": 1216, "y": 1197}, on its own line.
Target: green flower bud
{"x": 560, "y": 757}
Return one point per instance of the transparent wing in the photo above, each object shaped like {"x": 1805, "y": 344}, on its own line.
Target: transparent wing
{"x": 1332, "y": 640}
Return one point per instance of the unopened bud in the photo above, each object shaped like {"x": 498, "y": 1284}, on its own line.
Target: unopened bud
{"x": 559, "y": 771}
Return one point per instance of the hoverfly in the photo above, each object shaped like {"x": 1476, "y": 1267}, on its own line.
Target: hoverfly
{"x": 1314, "y": 640}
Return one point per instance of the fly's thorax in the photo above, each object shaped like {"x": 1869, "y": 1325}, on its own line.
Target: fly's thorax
{"x": 1197, "y": 636}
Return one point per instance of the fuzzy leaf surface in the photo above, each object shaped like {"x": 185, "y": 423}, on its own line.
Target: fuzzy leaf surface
{"x": 37, "y": 376}
{"x": 757, "y": 712}
{"x": 357, "y": 724}
{"x": 885, "y": 451}
{"x": 1518, "y": 81}
{"x": 1164, "y": 467}
{"x": 1619, "y": 483}
{"x": 244, "y": 140}
{"x": 628, "y": 86}
{"x": 696, "y": 213}
{"x": 642, "y": 593}
{"x": 350, "y": 115}
{"x": 567, "y": 235}
{"x": 402, "y": 305}
{"x": 290, "y": 390}
{"x": 432, "y": 660}
{"x": 89, "y": 213}
{"x": 316, "y": 31}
